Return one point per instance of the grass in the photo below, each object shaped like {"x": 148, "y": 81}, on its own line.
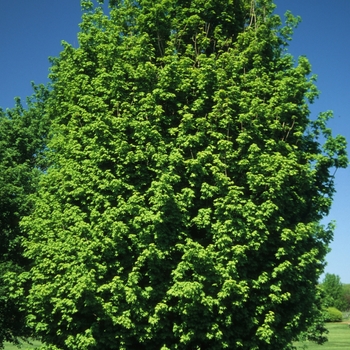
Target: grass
{"x": 338, "y": 338}
{"x": 35, "y": 344}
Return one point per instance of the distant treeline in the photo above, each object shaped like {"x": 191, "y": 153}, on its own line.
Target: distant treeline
{"x": 336, "y": 293}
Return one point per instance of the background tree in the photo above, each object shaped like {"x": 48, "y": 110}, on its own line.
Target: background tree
{"x": 346, "y": 297}
{"x": 181, "y": 209}
{"x": 334, "y": 292}
{"x": 22, "y": 135}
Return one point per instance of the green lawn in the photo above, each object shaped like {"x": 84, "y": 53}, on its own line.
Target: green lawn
{"x": 25, "y": 346}
{"x": 338, "y": 338}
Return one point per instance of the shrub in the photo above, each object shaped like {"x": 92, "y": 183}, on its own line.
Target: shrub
{"x": 333, "y": 315}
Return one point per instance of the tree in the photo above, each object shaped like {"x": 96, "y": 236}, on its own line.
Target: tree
{"x": 346, "y": 297}
{"x": 333, "y": 289}
{"x": 21, "y": 141}
{"x": 181, "y": 208}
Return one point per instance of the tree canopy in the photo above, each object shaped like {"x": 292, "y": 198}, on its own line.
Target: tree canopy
{"x": 186, "y": 184}
{"x": 333, "y": 290}
{"x": 336, "y": 293}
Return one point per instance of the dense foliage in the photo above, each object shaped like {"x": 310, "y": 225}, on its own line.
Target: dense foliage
{"x": 186, "y": 183}
{"x": 346, "y": 297}
{"x": 336, "y": 294}
{"x": 333, "y": 290}
{"x": 333, "y": 315}
{"x": 22, "y": 139}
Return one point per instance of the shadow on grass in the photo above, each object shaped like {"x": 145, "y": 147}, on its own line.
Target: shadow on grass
{"x": 338, "y": 338}
{"x": 23, "y": 346}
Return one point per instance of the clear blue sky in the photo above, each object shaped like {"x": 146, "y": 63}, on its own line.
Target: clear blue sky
{"x": 31, "y": 31}
{"x": 323, "y": 37}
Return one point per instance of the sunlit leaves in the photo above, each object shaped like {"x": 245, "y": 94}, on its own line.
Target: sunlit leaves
{"x": 181, "y": 207}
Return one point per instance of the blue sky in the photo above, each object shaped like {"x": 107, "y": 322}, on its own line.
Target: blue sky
{"x": 323, "y": 37}
{"x": 31, "y": 31}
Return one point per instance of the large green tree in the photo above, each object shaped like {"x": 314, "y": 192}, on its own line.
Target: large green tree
{"x": 181, "y": 209}
{"x": 22, "y": 140}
